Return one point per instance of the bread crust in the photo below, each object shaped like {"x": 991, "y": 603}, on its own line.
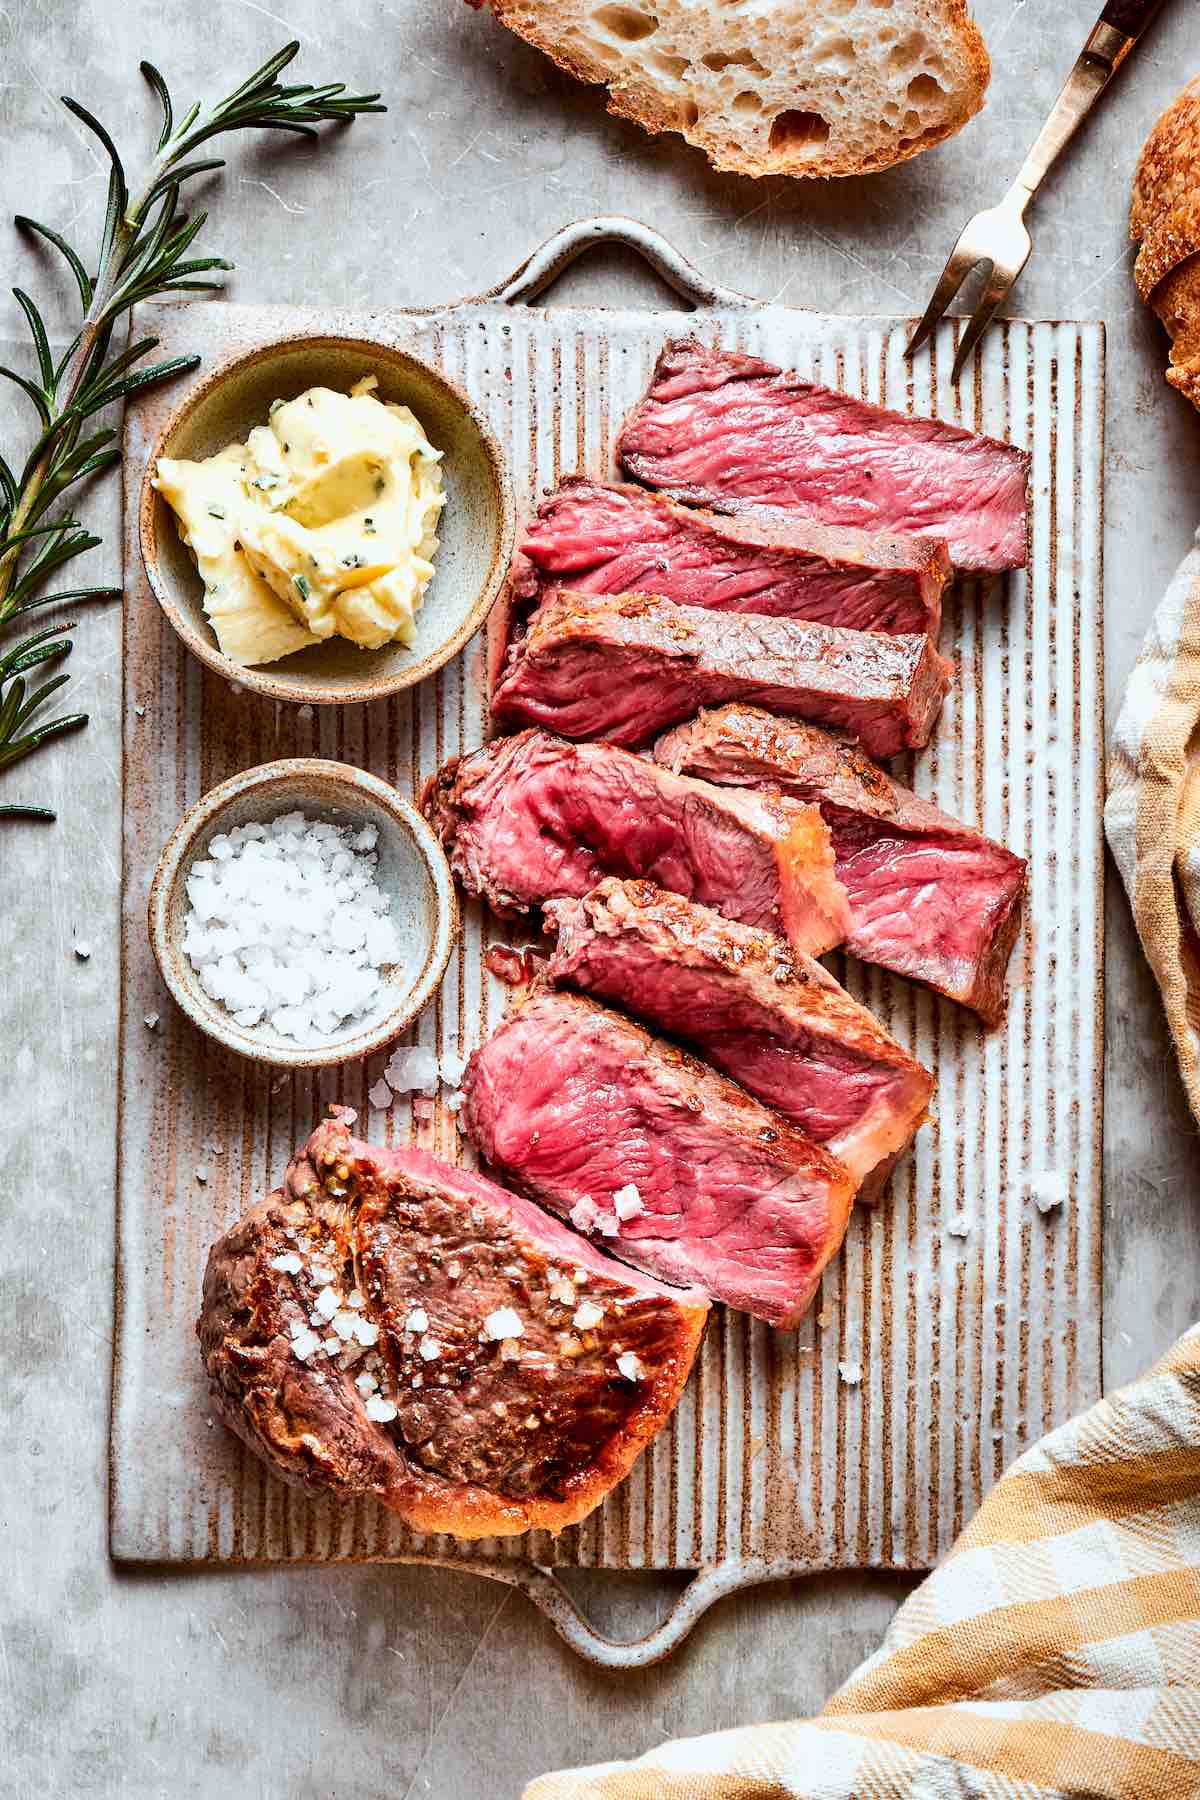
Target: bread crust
{"x": 1173, "y": 237}
{"x": 1169, "y": 166}
{"x": 1164, "y": 217}
{"x": 638, "y": 101}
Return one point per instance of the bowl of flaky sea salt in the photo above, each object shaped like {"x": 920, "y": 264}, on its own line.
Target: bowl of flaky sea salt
{"x": 302, "y": 913}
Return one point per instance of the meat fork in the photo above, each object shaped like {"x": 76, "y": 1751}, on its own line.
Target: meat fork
{"x": 998, "y": 236}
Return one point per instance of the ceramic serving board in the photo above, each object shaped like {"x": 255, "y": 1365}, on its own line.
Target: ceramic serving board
{"x": 960, "y": 1320}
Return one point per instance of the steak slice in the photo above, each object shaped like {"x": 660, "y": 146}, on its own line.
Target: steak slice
{"x": 531, "y": 818}
{"x": 725, "y": 430}
{"x": 929, "y": 897}
{"x": 775, "y": 1021}
{"x": 579, "y": 1106}
{"x": 601, "y": 539}
{"x": 622, "y": 666}
{"x": 456, "y": 1418}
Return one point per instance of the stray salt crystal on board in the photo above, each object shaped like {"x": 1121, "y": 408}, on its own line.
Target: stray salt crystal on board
{"x": 1048, "y": 1190}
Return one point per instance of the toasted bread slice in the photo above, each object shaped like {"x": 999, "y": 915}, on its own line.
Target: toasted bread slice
{"x": 774, "y": 87}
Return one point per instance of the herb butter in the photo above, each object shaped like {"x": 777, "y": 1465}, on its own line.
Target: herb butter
{"x": 323, "y": 523}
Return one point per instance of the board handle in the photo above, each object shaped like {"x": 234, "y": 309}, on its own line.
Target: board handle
{"x": 547, "y": 263}
{"x": 549, "y": 1595}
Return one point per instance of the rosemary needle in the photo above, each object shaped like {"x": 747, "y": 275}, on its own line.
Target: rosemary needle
{"x": 144, "y": 250}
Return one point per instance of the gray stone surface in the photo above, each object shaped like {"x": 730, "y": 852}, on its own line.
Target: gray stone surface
{"x": 417, "y": 1682}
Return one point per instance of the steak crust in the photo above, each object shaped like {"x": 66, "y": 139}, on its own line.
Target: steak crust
{"x": 485, "y": 1435}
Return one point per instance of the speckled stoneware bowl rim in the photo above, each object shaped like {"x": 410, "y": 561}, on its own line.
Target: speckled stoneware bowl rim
{"x": 347, "y": 785}
{"x": 199, "y": 639}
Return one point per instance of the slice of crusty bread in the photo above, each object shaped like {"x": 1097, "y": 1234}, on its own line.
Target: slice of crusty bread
{"x": 774, "y": 87}
{"x": 1169, "y": 167}
{"x": 1165, "y": 218}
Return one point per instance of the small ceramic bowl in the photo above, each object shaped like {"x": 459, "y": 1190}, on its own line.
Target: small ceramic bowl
{"x": 412, "y": 871}
{"x": 476, "y": 528}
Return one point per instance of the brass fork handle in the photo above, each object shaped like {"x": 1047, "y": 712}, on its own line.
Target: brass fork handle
{"x": 1109, "y": 42}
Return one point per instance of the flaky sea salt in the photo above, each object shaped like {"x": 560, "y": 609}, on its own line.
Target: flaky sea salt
{"x": 630, "y": 1366}
{"x": 328, "y": 1302}
{"x": 287, "y": 926}
{"x": 627, "y": 1202}
{"x": 412, "y": 1070}
{"x": 587, "y": 1217}
{"x": 1048, "y": 1190}
{"x": 305, "y": 1344}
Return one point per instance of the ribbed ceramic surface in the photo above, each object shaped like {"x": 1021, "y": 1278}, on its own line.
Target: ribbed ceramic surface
{"x": 970, "y": 1341}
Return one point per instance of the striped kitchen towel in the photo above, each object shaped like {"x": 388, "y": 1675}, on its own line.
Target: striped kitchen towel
{"x": 1056, "y": 1651}
{"x": 1152, "y": 818}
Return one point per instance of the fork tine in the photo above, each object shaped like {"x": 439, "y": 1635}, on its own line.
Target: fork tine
{"x": 959, "y": 264}
{"x": 998, "y": 285}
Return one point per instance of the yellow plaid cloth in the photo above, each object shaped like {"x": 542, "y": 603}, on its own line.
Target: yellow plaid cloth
{"x": 1056, "y": 1651}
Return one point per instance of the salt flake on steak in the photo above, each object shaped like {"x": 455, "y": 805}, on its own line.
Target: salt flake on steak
{"x": 505, "y": 1322}
{"x": 627, "y": 1202}
{"x": 588, "y": 1218}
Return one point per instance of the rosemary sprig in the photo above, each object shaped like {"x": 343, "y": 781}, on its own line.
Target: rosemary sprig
{"x": 144, "y": 251}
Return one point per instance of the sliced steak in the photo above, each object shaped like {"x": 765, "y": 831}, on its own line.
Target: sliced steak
{"x": 622, "y": 666}
{"x": 602, "y": 539}
{"x": 725, "y": 430}
{"x": 591, "y": 1114}
{"x": 929, "y": 897}
{"x": 451, "y": 1380}
{"x": 531, "y": 818}
{"x": 775, "y": 1021}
